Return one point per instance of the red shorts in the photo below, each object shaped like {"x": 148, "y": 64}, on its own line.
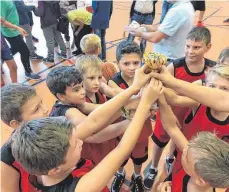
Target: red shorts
{"x": 160, "y": 136}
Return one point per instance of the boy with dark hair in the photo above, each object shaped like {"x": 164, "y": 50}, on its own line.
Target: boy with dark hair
{"x": 57, "y": 159}
{"x": 19, "y": 103}
{"x": 190, "y": 68}
{"x": 66, "y": 83}
{"x": 128, "y": 55}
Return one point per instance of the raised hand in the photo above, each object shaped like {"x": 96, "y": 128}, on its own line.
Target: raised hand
{"x": 141, "y": 78}
{"x": 164, "y": 187}
{"x": 152, "y": 91}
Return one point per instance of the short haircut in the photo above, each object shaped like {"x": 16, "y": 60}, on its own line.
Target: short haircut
{"x": 90, "y": 44}
{"x": 62, "y": 77}
{"x": 13, "y": 98}
{"x": 224, "y": 55}
{"x": 200, "y": 34}
{"x": 88, "y": 63}
{"x": 126, "y": 47}
{"x": 41, "y": 145}
{"x": 211, "y": 155}
{"x": 221, "y": 70}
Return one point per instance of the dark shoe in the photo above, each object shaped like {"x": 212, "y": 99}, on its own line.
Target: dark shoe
{"x": 226, "y": 21}
{"x": 63, "y": 56}
{"x": 117, "y": 183}
{"x": 149, "y": 179}
{"x": 36, "y": 57}
{"x": 169, "y": 164}
{"x": 76, "y": 53}
{"x": 136, "y": 184}
{"x": 48, "y": 60}
{"x": 35, "y": 39}
{"x": 32, "y": 76}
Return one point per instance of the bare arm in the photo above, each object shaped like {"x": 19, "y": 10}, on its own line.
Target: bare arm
{"x": 94, "y": 180}
{"x": 110, "y": 132}
{"x": 168, "y": 121}
{"x": 93, "y": 123}
{"x": 176, "y": 100}
{"x": 214, "y": 98}
{"x": 12, "y": 26}
{"x": 10, "y": 179}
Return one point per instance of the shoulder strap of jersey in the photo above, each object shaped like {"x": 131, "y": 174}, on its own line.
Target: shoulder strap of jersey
{"x": 119, "y": 81}
{"x": 83, "y": 167}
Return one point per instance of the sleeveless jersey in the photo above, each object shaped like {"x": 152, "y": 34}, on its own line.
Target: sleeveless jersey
{"x": 147, "y": 129}
{"x": 70, "y": 182}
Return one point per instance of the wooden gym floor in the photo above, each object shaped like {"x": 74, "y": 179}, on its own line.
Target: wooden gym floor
{"x": 216, "y": 12}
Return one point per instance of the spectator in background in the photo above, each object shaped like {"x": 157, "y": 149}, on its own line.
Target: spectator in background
{"x": 49, "y": 12}
{"x": 142, "y": 12}
{"x": 25, "y": 23}
{"x": 102, "y": 11}
{"x": 9, "y": 12}
{"x": 170, "y": 36}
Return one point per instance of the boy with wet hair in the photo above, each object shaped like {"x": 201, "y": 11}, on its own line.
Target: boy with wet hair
{"x": 19, "y": 103}
{"x": 57, "y": 159}
{"x": 201, "y": 156}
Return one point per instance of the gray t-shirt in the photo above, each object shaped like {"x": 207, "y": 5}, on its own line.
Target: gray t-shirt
{"x": 177, "y": 24}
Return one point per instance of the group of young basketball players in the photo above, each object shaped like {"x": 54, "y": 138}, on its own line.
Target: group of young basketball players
{"x": 95, "y": 126}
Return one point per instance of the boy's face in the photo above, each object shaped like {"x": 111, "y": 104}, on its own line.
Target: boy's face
{"x": 92, "y": 80}
{"x": 195, "y": 50}
{"x": 34, "y": 109}
{"x": 74, "y": 95}
{"x": 73, "y": 155}
{"x": 216, "y": 81}
{"x": 129, "y": 63}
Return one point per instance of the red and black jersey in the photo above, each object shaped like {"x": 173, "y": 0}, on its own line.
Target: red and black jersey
{"x": 100, "y": 98}
{"x": 101, "y": 150}
{"x": 181, "y": 70}
{"x": 147, "y": 129}
{"x": 70, "y": 182}
{"x": 180, "y": 182}
{"x": 60, "y": 109}
{"x": 202, "y": 120}
{"x": 7, "y": 158}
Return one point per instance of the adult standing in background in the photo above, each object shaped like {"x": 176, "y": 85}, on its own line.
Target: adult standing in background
{"x": 25, "y": 23}
{"x": 100, "y": 22}
{"x": 9, "y": 12}
{"x": 170, "y": 36}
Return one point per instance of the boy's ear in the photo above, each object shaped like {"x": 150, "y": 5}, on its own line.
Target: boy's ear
{"x": 14, "y": 124}
{"x": 209, "y": 46}
{"x": 200, "y": 182}
{"x": 54, "y": 171}
{"x": 60, "y": 97}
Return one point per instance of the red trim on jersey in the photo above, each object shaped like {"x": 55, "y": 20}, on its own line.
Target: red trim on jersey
{"x": 25, "y": 185}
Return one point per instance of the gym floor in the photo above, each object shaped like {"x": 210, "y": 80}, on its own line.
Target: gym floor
{"x": 216, "y": 13}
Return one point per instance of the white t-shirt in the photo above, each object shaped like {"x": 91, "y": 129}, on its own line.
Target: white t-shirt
{"x": 177, "y": 24}
{"x": 144, "y": 6}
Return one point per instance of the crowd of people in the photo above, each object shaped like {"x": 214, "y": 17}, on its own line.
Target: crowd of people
{"x": 96, "y": 125}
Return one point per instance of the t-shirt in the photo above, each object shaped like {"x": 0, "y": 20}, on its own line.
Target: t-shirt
{"x": 9, "y": 12}
{"x": 80, "y": 14}
{"x": 177, "y": 24}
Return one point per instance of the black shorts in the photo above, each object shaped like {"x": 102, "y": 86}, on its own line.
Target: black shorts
{"x": 199, "y": 5}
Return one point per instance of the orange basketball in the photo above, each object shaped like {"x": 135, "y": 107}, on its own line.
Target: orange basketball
{"x": 108, "y": 71}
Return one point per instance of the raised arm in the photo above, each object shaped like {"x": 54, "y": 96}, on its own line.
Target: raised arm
{"x": 168, "y": 121}
{"x": 93, "y": 123}
{"x": 214, "y": 98}
{"x": 95, "y": 181}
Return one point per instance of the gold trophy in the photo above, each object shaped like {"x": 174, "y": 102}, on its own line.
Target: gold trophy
{"x": 154, "y": 61}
